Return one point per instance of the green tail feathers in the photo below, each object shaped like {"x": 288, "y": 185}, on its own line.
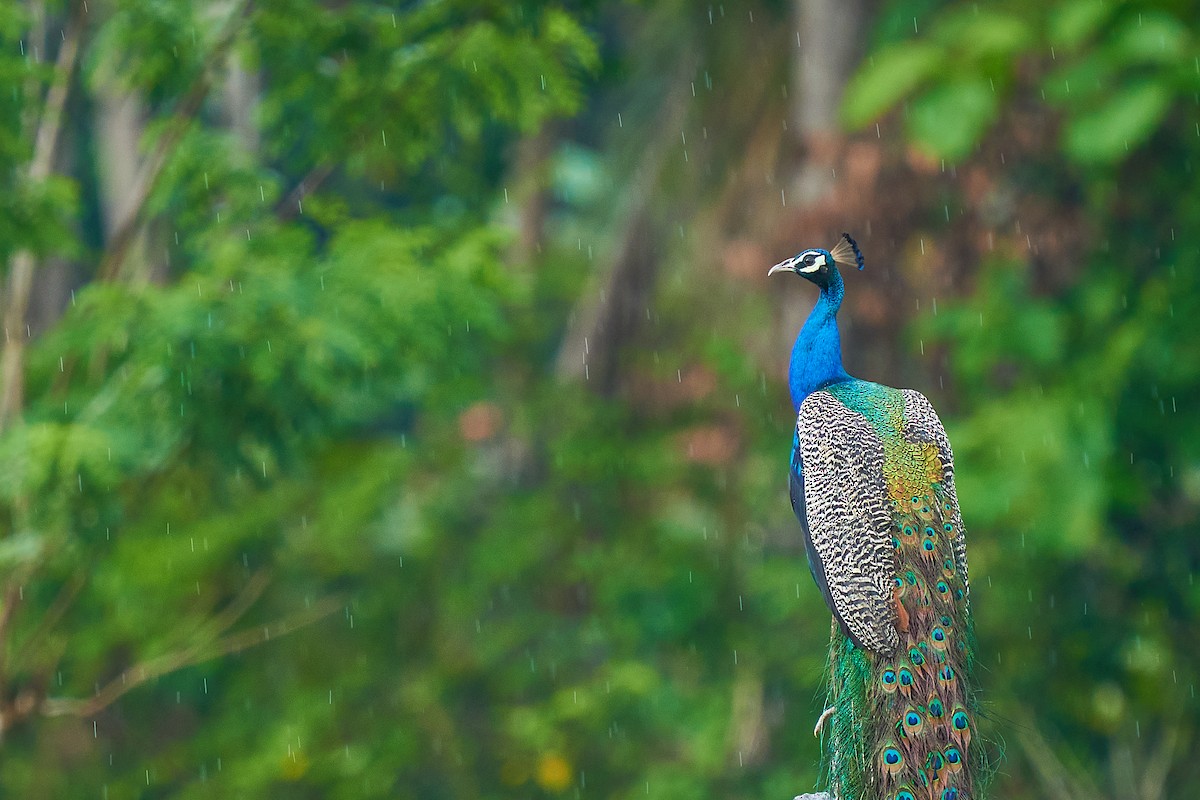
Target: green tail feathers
{"x": 885, "y": 743}
{"x": 903, "y": 726}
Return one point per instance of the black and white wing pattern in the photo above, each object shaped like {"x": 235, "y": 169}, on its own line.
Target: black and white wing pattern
{"x": 842, "y": 501}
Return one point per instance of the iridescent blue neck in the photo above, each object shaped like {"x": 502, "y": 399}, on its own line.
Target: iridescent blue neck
{"x": 817, "y": 354}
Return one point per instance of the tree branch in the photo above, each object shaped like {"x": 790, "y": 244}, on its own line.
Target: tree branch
{"x": 62, "y": 601}
{"x": 21, "y": 263}
{"x": 225, "y": 620}
{"x": 12, "y": 596}
{"x": 289, "y": 207}
{"x": 1053, "y": 773}
{"x": 157, "y": 667}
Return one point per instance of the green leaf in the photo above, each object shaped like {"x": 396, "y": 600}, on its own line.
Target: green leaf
{"x": 949, "y": 119}
{"x": 1080, "y": 81}
{"x": 1107, "y": 133}
{"x": 1151, "y": 38}
{"x": 981, "y": 34}
{"x": 1072, "y": 23}
{"x": 888, "y": 77}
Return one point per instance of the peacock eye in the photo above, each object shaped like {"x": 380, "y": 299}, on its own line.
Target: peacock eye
{"x": 809, "y": 259}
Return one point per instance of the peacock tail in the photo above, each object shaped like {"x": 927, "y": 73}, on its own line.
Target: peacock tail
{"x": 901, "y": 659}
{"x": 904, "y": 720}
{"x": 872, "y": 484}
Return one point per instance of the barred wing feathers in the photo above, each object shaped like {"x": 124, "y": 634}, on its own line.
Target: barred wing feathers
{"x": 847, "y": 519}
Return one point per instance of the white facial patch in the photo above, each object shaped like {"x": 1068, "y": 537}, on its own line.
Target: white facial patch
{"x": 818, "y": 261}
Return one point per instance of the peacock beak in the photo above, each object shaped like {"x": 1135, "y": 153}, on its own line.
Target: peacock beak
{"x": 783, "y": 266}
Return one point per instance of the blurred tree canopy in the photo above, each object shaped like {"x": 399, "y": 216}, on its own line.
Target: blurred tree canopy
{"x": 391, "y": 395}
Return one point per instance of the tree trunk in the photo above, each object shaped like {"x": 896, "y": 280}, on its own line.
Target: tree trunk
{"x": 529, "y": 193}
{"x": 44, "y": 122}
{"x": 829, "y": 33}
{"x": 119, "y": 124}
{"x": 616, "y": 301}
{"x": 828, "y": 42}
{"x": 239, "y": 101}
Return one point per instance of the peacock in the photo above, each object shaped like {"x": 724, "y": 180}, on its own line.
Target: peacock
{"x": 872, "y": 483}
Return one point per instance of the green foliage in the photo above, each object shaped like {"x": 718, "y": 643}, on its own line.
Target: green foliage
{"x": 1124, "y": 119}
{"x": 949, "y": 79}
{"x": 33, "y": 215}
{"x": 1070, "y": 25}
{"x": 231, "y": 448}
{"x": 889, "y": 76}
{"x": 423, "y": 85}
{"x": 157, "y": 47}
{"x": 348, "y": 334}
{"x": 321, "y": 382}
{"x": 950, "y": 117}
{"x": 1121, "y": 91}
{"x": 1114, "y": 74}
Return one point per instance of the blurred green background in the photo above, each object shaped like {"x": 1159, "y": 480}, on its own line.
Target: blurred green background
{"x": 392, "y": 398}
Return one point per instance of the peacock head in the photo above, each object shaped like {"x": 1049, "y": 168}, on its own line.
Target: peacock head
{"x": 820, "y": 266}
